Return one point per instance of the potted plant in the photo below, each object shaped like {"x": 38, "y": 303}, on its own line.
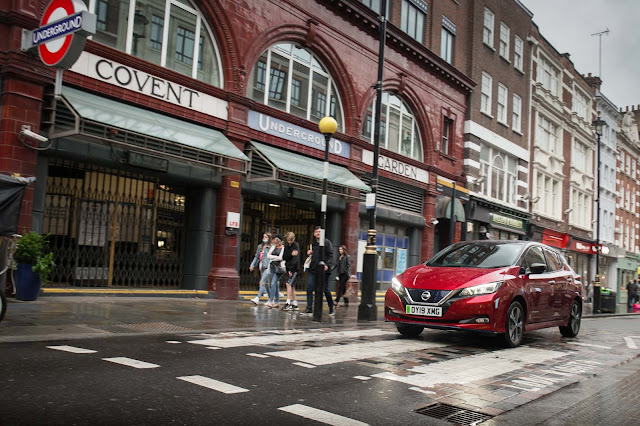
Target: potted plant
{"x": 34, "y": 264}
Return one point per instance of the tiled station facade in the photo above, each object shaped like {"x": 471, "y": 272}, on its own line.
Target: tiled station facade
{"x": 182, "y": 116}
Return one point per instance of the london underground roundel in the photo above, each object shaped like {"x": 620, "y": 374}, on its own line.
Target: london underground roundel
{"x": 60, "y": 22}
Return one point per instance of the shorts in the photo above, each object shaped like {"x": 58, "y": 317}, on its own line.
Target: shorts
{"x": 265, "y": 279}
{"x": 292, "y": 278}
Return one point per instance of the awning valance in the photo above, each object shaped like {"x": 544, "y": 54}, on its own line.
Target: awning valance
{"x": 83, "y": 114}
{"x": 273, "y": 164}
{"x": 443, "y": 208}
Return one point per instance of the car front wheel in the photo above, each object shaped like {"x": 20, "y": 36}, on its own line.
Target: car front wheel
{"x": 514, "y": 326}
{"x": 409, "y": 330}
{"x": 573, "y": 326}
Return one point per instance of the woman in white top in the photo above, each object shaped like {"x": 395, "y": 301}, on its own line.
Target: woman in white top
{"x": 276, "y": 270}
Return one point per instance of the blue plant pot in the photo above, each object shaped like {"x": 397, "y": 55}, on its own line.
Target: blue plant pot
{"x": 28, "y": 283}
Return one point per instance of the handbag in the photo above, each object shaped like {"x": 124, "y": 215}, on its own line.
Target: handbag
{"x": 349, "y": 292}
{"x": 307, "y": 264}
{"x": 282, "y": 268}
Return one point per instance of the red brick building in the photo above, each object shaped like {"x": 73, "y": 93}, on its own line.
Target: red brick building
{"x": 180, "y": 113}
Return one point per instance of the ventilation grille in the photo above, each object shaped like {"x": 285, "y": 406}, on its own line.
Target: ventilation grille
{"x": 453, "y": 414}
{"x": 397, "y": 195}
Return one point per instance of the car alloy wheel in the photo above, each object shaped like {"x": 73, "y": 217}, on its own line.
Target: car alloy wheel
{"x": 573, "y": 326}
{"x": 514, "y": 326}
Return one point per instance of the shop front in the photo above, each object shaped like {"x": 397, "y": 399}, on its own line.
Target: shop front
{"x": 490, "y": 221}
{"x": 627, "y": 271}
{"x": 580, "y": 257}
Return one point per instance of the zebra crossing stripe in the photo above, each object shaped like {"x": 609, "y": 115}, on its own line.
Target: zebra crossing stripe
{"x": 303, "y": 364}
{"x": 72, "y": 349}
{"x": 129, "y": 362}
{"x": 320, "y": 415}
{"x": 213, "y": 384}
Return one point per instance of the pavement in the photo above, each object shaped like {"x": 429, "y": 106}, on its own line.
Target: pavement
{"x": 56, "y": 315}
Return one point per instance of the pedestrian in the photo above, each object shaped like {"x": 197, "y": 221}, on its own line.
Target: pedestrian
{"x": 261, "y": 262}
{"x": 276, "y": 269}
{"x": 292, "y": 259}
{"x": 344, "y": 272}
{"x": 316, "y": 267}
{"x": 633, "y": 292}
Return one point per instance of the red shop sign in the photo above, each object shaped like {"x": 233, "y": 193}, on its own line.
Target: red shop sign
{"x": 555, "y": 239}
{"x": 582, "y": 247}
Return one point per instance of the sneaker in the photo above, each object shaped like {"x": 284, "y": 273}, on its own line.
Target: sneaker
{"x": 331, "y": 311}
{"x": 287, "y": 307}
{"x": 255, "y": 300}
{"x": 308, "y": 311}
{"x": 295, "y": 308}
{"x": 281, "y": 295}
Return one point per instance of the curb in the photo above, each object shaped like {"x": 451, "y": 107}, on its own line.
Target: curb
{"x": 126, "y": 292}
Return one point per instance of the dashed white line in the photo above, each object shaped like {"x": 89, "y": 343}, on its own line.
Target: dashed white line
{"x": 174, "y": 342}
{"x": 589, "y": 345}
{"x": 363, "y": 378}
{"x": 303, "y": 364}
{"x": 213, "y": 384}
{"x": 72, "y": 349}
{"x": 213, "y": 347}
{"x": 130, "y": 362}
{"x": 630, "y": 343}
{"x": 259, "y": 355}
{"x": 320, "y": 415}
{"x": 417, "y": 389}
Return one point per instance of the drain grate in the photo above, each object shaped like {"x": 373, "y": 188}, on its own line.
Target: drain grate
{"x": 453, "y": 414}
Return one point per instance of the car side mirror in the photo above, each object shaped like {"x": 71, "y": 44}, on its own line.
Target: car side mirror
{"x": 538, "y": 268}
{"x": 523, "y": 271}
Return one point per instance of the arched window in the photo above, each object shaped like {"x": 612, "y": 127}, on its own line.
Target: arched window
{"x": 170, "y": 33}
{"x": 296, "y": 83}
{"x": 398, "y": 128}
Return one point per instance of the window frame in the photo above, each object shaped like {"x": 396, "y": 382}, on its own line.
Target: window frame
{"x": 485, "y": 106}
{"x": 505, "y": 36}
{"x": 516, "y": 118}
{"x": 447, "y": 45}
{"x": 502, "y": 107}
{"x": 518, "y": 53}
{"x": 408, "y": 11}
{"x": 487, "y": 31}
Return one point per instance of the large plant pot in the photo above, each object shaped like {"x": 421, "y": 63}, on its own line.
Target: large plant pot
{"x": 28, "y": 283}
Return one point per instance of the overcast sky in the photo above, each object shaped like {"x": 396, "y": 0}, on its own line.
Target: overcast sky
{"x": 568, "y": 25}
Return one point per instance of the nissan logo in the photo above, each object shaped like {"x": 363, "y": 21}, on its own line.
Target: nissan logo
{"x": 425, "y": 296}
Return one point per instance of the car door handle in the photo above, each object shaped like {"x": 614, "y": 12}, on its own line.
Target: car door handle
{"x": 552, "y": 282}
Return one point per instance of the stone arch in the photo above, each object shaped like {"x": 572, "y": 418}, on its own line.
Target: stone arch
{"x": 307, "y": 37}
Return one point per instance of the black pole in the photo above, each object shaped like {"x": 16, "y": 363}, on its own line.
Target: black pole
{"x": 453, "y": 211}
{"x": 317, "y": 303}
{"x": 598, "y": 213}
{"x": 367, "y": 309}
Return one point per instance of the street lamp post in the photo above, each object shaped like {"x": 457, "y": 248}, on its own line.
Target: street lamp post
{"x": 327, "y": 126}
{"x": 598, "y": 124}
{"x": 367, "y": 309}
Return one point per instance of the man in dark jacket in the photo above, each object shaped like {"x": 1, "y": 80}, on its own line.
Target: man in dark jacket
{"x": 292, "y": 260}
{"x": 633, "y": 291}
{"x": 316, "y": 267}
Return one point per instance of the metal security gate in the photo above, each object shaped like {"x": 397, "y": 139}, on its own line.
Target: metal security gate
{"x": 113, "y": 227}
{"x": 259, "y": 217}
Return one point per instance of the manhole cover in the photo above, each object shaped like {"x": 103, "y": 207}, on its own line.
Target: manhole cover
{"x": 453, "y": 414}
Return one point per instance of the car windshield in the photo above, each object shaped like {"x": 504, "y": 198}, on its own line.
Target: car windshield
{"x": 478, "y": 255}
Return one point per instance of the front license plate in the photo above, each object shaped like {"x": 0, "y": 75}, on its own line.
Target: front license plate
{"x": 427, "y": 311}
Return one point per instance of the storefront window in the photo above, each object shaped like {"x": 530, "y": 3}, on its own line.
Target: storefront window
{"x": 297, "y": 83}
{"x": 175, "y": 37}
{"x": 399, "y": 133}
{"x": 393, "y": 245}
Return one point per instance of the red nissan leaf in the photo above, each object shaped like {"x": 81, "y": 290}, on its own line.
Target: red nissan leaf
{"x": 493, "y": 287}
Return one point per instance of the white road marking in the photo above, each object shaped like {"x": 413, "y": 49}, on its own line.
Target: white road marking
{"x": 341, "y": 353}
{"x": 588, "y": 345}
{"x": 363, "y": 378}
{"x": 213, "y": 347}
{"x": 72, "y": 349}
{"x": 320, "y": 415}
{"x": 129, "y": 362}
{"x": 417, "y": 389}
{"x": 173, "y": 341}
{"x": 259, "y": 355}
{"x": 266, "y": 339}
{"x": 473, "y": 368}
{"x": 302, "y": 364}
{"x": 630, "y": 343}
{"x": 213, "y": 384}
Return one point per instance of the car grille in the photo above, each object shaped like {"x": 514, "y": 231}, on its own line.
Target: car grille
{"x": 435, "y": 296}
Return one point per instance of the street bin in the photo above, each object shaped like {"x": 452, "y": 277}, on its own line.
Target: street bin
{"x": 604, "y": 300}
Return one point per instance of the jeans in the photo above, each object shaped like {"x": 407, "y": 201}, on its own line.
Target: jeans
{"x": 264, "y": 282}
{"x": 312, "y": 278}
{"x": 631, "y": 300}
{"x": 342, "y": 288}
{"x": 274, "y": 288}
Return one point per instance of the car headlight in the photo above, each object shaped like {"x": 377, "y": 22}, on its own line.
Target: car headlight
{"x": 478, "y": 290}
{"x": 398, "y": 287}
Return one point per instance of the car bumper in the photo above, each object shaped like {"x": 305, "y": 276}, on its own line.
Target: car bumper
{"x": 457, "y": 314}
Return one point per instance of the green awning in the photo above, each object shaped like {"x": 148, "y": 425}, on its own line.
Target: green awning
{"x": 125, "y": 124}
{"x": 443, "y": 208}
{"x": 273, "y": 164}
